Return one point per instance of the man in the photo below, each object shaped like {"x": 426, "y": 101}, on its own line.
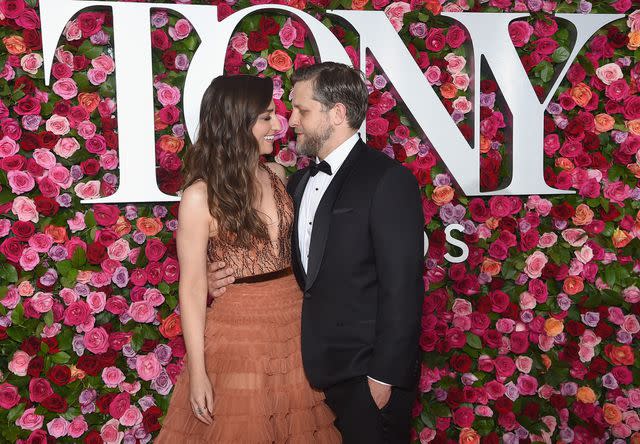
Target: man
{"x": 357, "y": 250}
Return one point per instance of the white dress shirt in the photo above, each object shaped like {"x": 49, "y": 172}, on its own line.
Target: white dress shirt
{"x": 313, "y": 192}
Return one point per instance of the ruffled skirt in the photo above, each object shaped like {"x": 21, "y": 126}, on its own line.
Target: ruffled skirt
{"x": 253, "y": 359}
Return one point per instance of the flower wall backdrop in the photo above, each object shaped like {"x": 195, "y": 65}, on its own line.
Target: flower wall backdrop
{"x": 533, "y": 339}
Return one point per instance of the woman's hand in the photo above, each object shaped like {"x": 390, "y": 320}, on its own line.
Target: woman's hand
{"x": 201, "y": 397}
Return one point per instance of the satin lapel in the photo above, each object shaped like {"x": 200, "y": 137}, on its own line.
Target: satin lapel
{"x": 323, "y": 215}
{"x": 297, "y": 199}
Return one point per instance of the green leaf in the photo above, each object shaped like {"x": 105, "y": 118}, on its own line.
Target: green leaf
{"x": 440, "y": 410}
{"x": 8, "y": 272}
{"x": 474, "y": 341}
{"x": 79, "y": 258}
{"x": 17, "y": 316}
{"x": 48, "y": 318}
{"x": 610, "y": 276}
{"x": 560, "y": 55}
{"x": 60, "y": 358}
{"x": 15, "y": 412}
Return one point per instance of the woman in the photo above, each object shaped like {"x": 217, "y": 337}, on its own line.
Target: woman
{"x": 243, "y": 381}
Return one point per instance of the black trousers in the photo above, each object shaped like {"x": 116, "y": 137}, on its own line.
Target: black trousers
{"x": 359, "y": 419}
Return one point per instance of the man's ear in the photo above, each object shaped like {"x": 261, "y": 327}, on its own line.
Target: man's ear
{"x": 339, "y": 114}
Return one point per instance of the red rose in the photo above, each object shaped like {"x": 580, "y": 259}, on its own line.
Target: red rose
{"x": 169, "y": 59}
{"x": 104, "y": 401}
{"x": 463, "y": 417}
{"x": 34, "y": 168}
{"x": 435, "y": 40}
{"x": 9, "y": 396}
{"x": 519, "y": 342}
{"x": 268, "y": 25}
{"x": 257, "y": 41}
{"x": 150, "y": 419}
{"x": 30, "y": 141}
{"x": 178, "y": 347}
{"x": 23, "y": 230}
{"x": 303, "y": 60}
{"x": 119, "y": 405}
{"x": 154, "y": 249}
{"x": 89, "y": 364}
{"x": 170, "y": 270}
{"x": 90, "y": 167}
{"x": 93, "y": 437}
{"x": 460, "y": 363}
{"x": 12, "y": 248}
{"x": 46, "y": 205}
{"x": 106, "y": 215}
{"x": 27, "y": 106}
{"x": 39, "y": 389}
{"x": 96, "y": 253}
{"x": 48, "y": 139}
{"x": 456, "y": 36}
{"x": 32, "y": 37}
{"x": 107, "y": 236}
{"x": 90, "y": 23}
{"x": 562, "y": 211}
{"x": 12, "y": 8}
{"x": 59, "y": 374}
{"x": 80, "y": 62}
{"x": 169, "y": 115}
{"x": 119, "y": 339}
{"x": 35, "y": 365}
{"x": 160, "y": 40}
{"x": 478, "y": 209}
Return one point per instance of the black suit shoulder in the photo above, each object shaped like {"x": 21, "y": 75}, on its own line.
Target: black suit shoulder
{"x": 294, "y": 179}
{"x": 377, "y": 164}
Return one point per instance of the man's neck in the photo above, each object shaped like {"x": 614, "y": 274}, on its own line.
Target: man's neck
{"x": 332, "y": 144}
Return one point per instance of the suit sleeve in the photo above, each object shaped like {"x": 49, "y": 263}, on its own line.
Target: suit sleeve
{"x": 397, "y": 231}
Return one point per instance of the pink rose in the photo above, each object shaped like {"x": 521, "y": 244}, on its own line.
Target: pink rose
{"x": 609, "y": 73}
{"x": 89, "y": 190}
{"x": 58, "y": 427}
{"x": 527, "y": 385}
{"x": 142, "y": 311}
{"x": 66, "y": 146}
{"x": 44, "y": 157}
{"x": 395, "y": 12}
{"x": 42, "y": 302}
{"x": 286, "y": 158}
{"x": 168, "y": 95}
{"x": 240, "y": 42}
{"x": 631, "y": 324}
{"x": 154, "y": 297}
{"x": 110, "y": 433}
{"x": 109, "y": 160}
{"x": 131, "y": 417}
{"x": 148, "y": 366}
{"x": 19, "y": 363}
{"x": 520, "y": 33}
{"x": 495, "y": 389}
{"x": 20, "y": 181}
{"x": 29, "y": 259}
{"x": 617, "y": 192}
{"x": 287, "y": 34}
{"x": 31, "y": 63}
{"x": 433, "y": 75}
{"x": 86, "y": 129}
{"x": 524, "y": 364}
{"x": 96, "y": 76}
{"x": 631, "y": 294}
{"x": 78, "y": 427}
{"x": 29, "y": 420}
{"x": 633, "y": 21}
{"x": 66, "y": 88}
{"x": 119, "y": 250}
{"x": 534, "y": 264}
{"x": 576, "y": 237}
{"x": 112, "y": 376}
{"x": 461, "y": 307}
{"x": 9, "y": 396}
{"x": 634, "y": 397}
{"x": 58, "y": 125}
{"x": 96, "y": 340}
{"x": 104, "y": 63}
{"x": 181, "y": 30}
{"x": 8, "y": 147}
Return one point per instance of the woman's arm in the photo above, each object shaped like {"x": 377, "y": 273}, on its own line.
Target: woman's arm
{"x": 191, "y": 243}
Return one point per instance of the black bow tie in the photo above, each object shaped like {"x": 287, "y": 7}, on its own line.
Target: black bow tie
{"x": 322, "y": 166}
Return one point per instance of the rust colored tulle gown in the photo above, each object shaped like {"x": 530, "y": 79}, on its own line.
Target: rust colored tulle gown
{"x": 252, "y": 353}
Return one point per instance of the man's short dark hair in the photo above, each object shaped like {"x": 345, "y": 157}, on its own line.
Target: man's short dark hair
{"x": 337, "y": 83}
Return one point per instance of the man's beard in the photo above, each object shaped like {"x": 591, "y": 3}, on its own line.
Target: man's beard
{"x": 314, "y": 141}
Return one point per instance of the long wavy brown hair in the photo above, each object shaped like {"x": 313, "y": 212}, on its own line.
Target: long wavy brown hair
{"x": 226, "y": 154}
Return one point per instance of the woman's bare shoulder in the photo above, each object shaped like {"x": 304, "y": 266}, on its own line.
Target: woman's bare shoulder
{"x": 278, "y": 169}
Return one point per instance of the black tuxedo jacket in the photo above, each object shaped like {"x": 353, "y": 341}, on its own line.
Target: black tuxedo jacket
{"x": 363, "y": 289}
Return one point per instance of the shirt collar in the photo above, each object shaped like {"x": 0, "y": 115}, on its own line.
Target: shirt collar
{"x": 337, "y": 157}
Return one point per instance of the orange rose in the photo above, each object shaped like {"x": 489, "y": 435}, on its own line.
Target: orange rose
{"x": 298, "y": 4}
{"x": 633, "y": 126}
{"x": 76, "y": 373}
{"x": 89, "y": 101}
{"x": 573, "y": 285}
{"x": 170, "y": 326}
{"x": 122, "y": 226}
{"x": 485, "y": 144}
{"x": 59, "y": 234}
{"x": 546, "y": 361}
{"x": 15, "y": 44}
{"x": 170, "y": 144}
{"x": 586, "y": 395}
{"x": 448, "y": 90}
{"x": 583, "y": 216}
{"x": 84, "y": 276}
{"x": 150, "y": 226}
{"x": 581, "y": 94}
{"x": 434, "y": 6}
{"x": 553, "y": 327}
{"x": 620, "y": 238}
{"x": 635, "y": 169}
{"x": 604, "y": 122}
{"x": 622, "y": 355}
{"x": 468, "y": 436}
{"x": 635, "y": 438}
{"x": 492, "y": 223}
{"x": 612, "y": 414}
{"x": 280, "y": 60}
{"x": 442, "y": 195}
{"x": 491, "y": 267}
{"x": 158, "y": 124}
{"x": 359, "y": 4}
{"x": 564, "y": 163}
{"x": 634, "y": 40}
